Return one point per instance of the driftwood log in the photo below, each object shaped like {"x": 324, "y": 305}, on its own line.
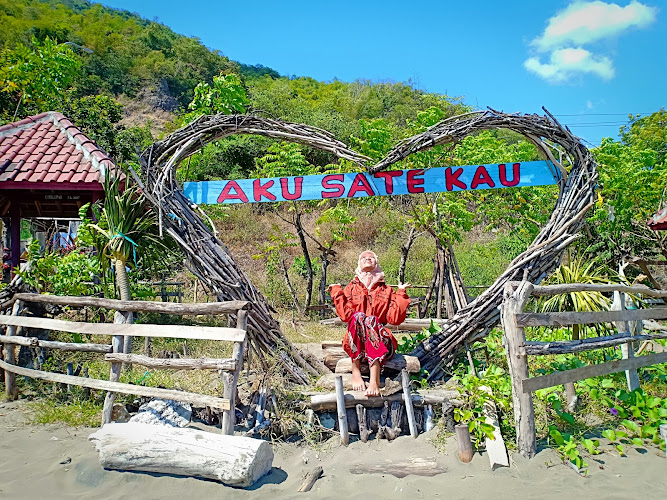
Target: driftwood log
{"x": 232, "y": 460}
{"x": 212, "y": 263}
{"x": 327, "y": 402}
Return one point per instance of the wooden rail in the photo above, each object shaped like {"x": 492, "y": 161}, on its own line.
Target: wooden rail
{"x": 229, "y": 368}
{"x": 518, "y": 349}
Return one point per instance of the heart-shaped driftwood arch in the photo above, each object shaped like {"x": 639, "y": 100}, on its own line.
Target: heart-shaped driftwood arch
{"x": 210, "y": 260}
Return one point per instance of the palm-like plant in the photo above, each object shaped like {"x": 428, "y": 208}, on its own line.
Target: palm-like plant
{"x": 127, "y": 232}
{"x": 578, "y": 270}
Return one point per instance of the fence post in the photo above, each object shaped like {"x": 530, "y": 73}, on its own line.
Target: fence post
{"x": 230, "y": 380}
{"x": 514, "y": 338}
{"x": 117, "y": 342}
{"x": 627, "y": 350}
{"x": 10, "y": 356}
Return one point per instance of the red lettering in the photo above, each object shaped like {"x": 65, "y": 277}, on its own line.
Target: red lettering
{"x": 227, "y": 194}
{"x": 331, "y": 182}
{"x": 414, "y": 183}
{"x": 298, "y": 182}
{"x": 481, "y": 177}
{"x": 389, "y": 179}
{"x": 452, "y": 179}
{"x": 516, "y": 175}
{"x": 259, "y": 190}
{"x": 360, "y": 183}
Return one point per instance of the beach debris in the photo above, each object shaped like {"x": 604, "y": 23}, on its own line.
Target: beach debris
{"x": 310, "y": 479}
{"x": 232, "y": 460}
{"x": 66, "y": 461}
{"x": 163, "y": 412}
{"x": 448, "y": 416}
{"x": 327, "y": 421}
{"x": 495, "y": 448}
{"x": 428, "y": 418}
{"x": 391, "y": 420}
{"x": 53, "y": 438}
{"x": 416, "y": 466}
{"x": 119, "y": 413}
{"x": 362, "y": 422}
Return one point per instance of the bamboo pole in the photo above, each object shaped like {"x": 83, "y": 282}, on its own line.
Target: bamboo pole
{"x": 342, "y": 412}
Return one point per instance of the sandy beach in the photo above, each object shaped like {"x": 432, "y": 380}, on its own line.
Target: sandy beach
{"x": 56, "y": 461}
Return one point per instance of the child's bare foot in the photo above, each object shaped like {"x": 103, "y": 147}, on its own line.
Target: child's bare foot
{"x": 358, "y": 383}
{"x": 373, "y": 389}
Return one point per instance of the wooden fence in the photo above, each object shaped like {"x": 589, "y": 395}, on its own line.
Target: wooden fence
{"x": 514, "y": 319}
{"x": 229, "y": 368}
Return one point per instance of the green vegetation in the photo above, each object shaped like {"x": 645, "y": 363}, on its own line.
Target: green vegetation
{"x": 84, "y": 60}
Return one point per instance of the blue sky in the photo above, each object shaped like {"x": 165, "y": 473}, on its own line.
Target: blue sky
{"x": 590, "y": 63}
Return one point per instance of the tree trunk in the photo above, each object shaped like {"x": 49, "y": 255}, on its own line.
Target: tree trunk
{"x": 323, "y": 278}
{"x": 405, "y": 250}
{"x": 292, "y": 292}
{"x": 306, "y": 255}
{"x": 123, "y": 283}
{"x": 423, "y": 309}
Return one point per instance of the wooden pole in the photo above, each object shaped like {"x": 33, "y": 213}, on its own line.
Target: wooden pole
{"x": 342, "y": 412}
{"x": 230, "y": 380}
{"x": 465, "y": 444}
{"x": 514, "y": 337}
{"x": 10, "y": 356}
{"x": 409, "y": 410}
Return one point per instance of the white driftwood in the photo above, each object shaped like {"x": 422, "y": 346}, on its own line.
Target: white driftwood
{"x": 495, "y": 448}
{"x": 232, "y": 460}
{"x": 398, "y": 362}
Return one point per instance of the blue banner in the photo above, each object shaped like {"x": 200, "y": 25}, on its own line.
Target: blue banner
{"x": 357, "y": 185}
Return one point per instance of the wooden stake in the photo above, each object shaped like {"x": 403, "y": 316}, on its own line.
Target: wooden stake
{"x": 342, "y": 412}
{"x": 409, "y": 410}
{"x": 312, "y": 476}
{"x": 465, "y": 444}
{"x": 363, "y": 426}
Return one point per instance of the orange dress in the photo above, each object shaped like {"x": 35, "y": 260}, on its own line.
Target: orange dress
{"x": 366, "y": 312}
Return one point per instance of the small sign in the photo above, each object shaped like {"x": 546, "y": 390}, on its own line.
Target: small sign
{"x": 362, "y": 184}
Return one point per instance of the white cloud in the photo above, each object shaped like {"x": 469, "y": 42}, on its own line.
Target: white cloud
{"x": 581, "y": 23}
{"x": 586, "y": 22}
{"x": 566, "y": 63}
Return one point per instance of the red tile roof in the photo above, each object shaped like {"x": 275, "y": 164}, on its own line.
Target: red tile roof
{"x": 48, "y": 152}
{"x": 659, "y": 220}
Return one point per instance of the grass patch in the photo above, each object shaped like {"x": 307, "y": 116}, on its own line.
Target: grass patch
{"x": 75, "y": 413}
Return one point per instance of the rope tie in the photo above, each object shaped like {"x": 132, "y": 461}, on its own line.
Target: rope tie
{"x": 125, "y": 237}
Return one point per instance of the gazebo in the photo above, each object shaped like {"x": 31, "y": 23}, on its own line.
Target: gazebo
{"x": 659, "y": 220}
{"x": 48, "y": 169}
